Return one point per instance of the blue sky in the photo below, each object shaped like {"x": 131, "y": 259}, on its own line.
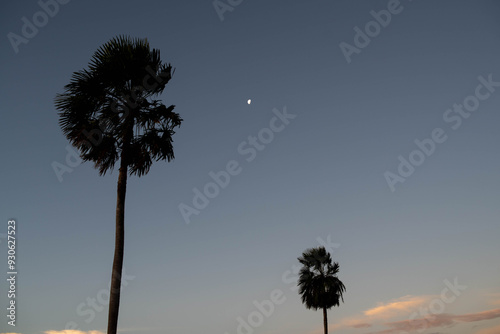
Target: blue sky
{"x": 321, "y": 179}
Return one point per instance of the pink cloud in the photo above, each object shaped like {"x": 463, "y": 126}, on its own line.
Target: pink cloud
{"x": 383, "y": 311}
{"x": 72, "y": 331}
{"x": 437, "y": 320}
{"x": 485, "y": 315}
{"x": 396, "y": 307}
{"x": 405, "y": 307}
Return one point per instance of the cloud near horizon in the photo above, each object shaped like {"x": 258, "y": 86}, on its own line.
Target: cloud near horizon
{"x": 396, "y": 307}
{"x": 437, "y": 320}
{"x": 384, "y": 311}
{"x": 73, "y": 331}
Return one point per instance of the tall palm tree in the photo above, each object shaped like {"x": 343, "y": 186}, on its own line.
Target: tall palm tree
{"x": 319, "y": 286}
{"x": 108, "y": 113}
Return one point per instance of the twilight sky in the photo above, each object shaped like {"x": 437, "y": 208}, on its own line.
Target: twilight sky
{"x": 373, "y": 130}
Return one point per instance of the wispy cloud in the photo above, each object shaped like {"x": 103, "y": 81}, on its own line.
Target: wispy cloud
{"x": 437, "y": 320}
{"x": 383, "y": 311}
{"x": 384, "y": 314}
{"x": 120, "y": 330}
{"x": 72, "y": 331}
{"x": 485, "y": 315}
{"x": 396, "y": 307}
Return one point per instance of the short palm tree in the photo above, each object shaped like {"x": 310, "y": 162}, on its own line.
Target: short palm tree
{"x": 319, "y": 286}
{"x": 108, "y": 113}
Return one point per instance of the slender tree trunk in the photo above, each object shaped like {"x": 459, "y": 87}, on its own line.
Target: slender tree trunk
{"x": 325, "y": 320}
{"x": 116, "y": 275}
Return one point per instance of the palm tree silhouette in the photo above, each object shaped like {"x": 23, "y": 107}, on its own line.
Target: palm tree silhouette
{"x": 108, "y": 113}
{"x": 318, "y": 283}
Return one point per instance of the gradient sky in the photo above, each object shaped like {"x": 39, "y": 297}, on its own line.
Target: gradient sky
{"x": 319, "y": 180}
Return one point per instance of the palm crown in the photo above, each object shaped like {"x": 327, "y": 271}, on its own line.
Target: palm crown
{"x": 318, "y": 283}
{"x": 108, "y": 112}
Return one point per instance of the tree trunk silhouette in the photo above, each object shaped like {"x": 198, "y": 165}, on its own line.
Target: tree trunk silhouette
{"x": 116, "y": 275}
{"x": 325, "y": 320}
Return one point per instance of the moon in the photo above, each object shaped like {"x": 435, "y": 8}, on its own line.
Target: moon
{"x": 249, "y": 101}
